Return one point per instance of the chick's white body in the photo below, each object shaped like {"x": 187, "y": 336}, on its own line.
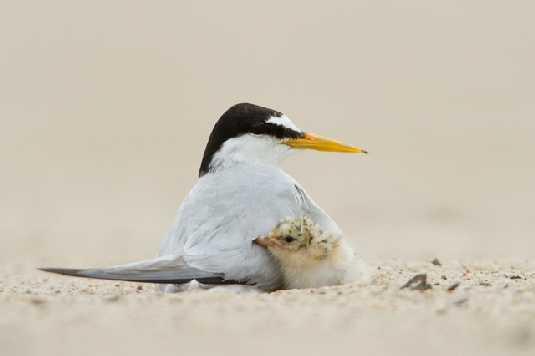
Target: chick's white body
{"x": 339, "y": 267}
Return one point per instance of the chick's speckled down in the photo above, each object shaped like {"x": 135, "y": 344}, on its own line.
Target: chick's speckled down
{"x": 303, "y": 235}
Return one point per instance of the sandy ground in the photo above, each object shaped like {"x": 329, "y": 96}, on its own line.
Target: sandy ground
{"x": 465, "y": 309}
{"x": 105, "y": 109}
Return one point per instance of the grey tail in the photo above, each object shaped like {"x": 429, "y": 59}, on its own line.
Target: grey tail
{"x": 162, "y": 270}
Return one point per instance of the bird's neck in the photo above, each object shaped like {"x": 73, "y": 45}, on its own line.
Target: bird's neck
{"x": 248, "y": 149}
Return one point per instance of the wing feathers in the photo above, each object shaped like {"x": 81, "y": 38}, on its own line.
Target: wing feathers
{"x": 164, "y": 270}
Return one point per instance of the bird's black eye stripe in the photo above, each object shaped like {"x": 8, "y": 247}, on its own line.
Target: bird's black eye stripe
{"x": 289, "y": 239}
{"x": 277, "y": 131}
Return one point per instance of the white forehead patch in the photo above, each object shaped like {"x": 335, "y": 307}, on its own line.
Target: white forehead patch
{"x": 283, "y": 121}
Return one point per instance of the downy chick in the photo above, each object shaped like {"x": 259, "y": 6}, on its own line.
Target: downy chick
{"x": 310, "y": 258}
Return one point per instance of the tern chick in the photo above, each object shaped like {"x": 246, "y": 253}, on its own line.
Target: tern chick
{"x": 309, "y": 257}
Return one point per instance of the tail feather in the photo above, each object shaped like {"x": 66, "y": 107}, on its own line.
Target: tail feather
{"x": 162, "y": 270}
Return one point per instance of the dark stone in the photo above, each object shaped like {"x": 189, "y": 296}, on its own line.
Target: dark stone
{"x": 454, "y": 286}
{"x": 418, "y": 282}
{"x": 436, "y": 262}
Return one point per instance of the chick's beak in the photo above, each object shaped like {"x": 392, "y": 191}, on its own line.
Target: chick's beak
{"x": 314, "y": 142}
{"x": 261, "y": 241}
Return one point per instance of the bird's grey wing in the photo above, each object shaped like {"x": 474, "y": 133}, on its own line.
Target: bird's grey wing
{"x": 222, "y": 216}
{"x": 317, "y": 214}
{"x": 166, "y": 269}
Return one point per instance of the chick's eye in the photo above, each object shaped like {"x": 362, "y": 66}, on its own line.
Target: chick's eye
{"x": 289, "y": 239}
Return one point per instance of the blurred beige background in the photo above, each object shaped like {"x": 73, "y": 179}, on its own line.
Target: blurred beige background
{"x": 105, "y": 108}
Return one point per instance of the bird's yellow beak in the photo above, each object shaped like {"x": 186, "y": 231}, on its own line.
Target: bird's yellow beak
{"x": 314, "y": 142}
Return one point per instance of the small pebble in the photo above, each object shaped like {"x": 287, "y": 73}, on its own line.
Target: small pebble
{"x": 453, "y": 287}
{"x": 418, "y": 282}
{"x": 461, "y": 302}
{"x": 112, "y": 298}
{"x": 37, "y": 301}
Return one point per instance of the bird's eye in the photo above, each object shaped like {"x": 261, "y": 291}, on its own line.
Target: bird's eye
{"x": 289, "y": 239}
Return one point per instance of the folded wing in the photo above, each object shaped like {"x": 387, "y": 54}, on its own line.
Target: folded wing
{"x": 165, "y": 269}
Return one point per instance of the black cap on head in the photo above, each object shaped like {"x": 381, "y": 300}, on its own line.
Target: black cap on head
{"x": 239, "y": 120}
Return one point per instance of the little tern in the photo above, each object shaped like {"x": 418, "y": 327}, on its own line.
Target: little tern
{"x": 246, "y": 221}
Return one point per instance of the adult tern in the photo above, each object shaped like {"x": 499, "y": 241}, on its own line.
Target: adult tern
{"x": 246, "y": 221}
